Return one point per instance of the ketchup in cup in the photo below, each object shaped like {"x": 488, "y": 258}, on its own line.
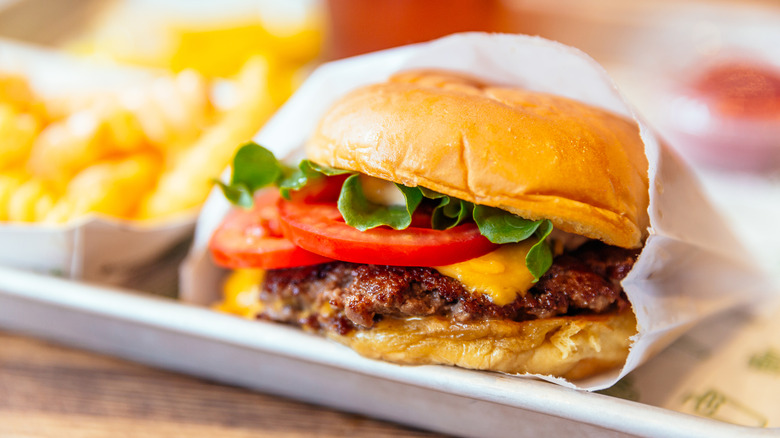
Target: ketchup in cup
{"x": 728, "y": 116}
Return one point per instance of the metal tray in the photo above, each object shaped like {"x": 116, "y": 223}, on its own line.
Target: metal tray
{"x": 282, "y": 360}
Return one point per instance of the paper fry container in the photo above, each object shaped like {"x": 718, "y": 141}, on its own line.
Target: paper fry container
{"x": 95, "y": 248}
{"x": 691, "y": 266}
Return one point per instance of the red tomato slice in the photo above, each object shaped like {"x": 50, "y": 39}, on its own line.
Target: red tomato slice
{"x": 320, "y": 228}
{"x": 252, "y": 239}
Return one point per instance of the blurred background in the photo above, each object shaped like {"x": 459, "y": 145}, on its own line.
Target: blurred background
{"x": 704, "y": 73}
{"x": 128, "y": 109}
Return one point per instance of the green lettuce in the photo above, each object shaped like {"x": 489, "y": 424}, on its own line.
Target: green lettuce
{"x": 254, "y": 167}
{"x": 501, "y": 226}
{"x": 450, "y": 212}
{"x": 539, "y": 257}
{"x": 363, "y": 214}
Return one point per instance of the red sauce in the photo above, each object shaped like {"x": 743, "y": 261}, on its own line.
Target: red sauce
{"x": 741, "y": 90}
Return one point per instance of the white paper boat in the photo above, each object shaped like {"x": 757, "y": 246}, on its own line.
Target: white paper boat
{"x": 98, "y": 249}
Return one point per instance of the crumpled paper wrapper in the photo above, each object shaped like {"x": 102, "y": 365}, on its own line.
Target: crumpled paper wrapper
{"x": 95, "y": 248}
{"x": 691, "y": 267}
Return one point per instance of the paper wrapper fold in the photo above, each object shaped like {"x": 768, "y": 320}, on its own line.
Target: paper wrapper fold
{"x": 691, "y": 267}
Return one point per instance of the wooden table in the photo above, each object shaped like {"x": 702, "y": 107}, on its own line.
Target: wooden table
{"x": 48, "y": 390}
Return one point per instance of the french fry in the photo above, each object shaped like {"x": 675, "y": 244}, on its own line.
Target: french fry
{"x": 184, "y": 103}
{"x": 171, "y": 111}
{"x": 186, "y": 184}
{"x": 64, "y": 148}
{"x": 17, "y": 133}
{"x": 9, "y": 183}
{"x": 30, "y": 202}
{"x": 15, "y": 91}
{"x": 112, "y": 187}
{"x": 58, "y": 108}
{"x": 145, "y": 152}
{"x": 168, "y": 113}
{"x": 120, "y": 129}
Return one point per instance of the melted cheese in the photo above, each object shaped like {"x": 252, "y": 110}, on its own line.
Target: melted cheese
{"x": 501, "y": 274}
{"x": 241, "y": 296}
{"x": 241, "y": 293}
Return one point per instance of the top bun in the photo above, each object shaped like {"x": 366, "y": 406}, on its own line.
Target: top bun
{"x": 536, "y": 155}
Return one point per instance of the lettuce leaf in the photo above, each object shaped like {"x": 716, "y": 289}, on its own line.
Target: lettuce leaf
{"x": 501, "y": 226}
{"x": 254, "y": 167}
{"x": 360, "y": 213}
{"x": 450, "y": 212}
{"x": 539, "y": 257}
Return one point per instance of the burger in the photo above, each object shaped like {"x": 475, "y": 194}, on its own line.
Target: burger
{"x": 442, "y": 219}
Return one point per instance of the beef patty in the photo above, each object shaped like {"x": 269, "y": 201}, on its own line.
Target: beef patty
{"x": 346, "y": 296}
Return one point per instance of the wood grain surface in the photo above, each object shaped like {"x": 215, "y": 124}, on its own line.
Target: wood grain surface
{"x": 48, "y": 390}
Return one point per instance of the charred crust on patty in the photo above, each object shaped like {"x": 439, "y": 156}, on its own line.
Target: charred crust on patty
{"x": 585, "y": 281}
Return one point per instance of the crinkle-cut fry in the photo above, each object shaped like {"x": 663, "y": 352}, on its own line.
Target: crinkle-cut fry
{"x": 112, "y": 187}
{"x": 56, "y": 108}
{"x": 101, "y": 130}
{"x": 10, "y": 181}
{"x": 17, "y": 133}
{"x": 186, "y": 184}
{"x": 64, "y": 148}
{"x": 171, "y": 110}
{"x": 30, "y": 202}
{"x": 190, "y": 93}
{"x": 120, "y": 130}
{"x": 15, "y": 91}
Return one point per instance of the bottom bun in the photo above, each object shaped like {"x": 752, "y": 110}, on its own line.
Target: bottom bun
{"x": 572, "y": 347}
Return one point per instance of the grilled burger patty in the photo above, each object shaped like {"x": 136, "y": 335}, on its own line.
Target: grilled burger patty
{"x": 346, "y": 296}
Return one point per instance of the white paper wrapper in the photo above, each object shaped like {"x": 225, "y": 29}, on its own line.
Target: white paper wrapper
{"x": 691, "y": 266}
{"x": 97, "y": 249}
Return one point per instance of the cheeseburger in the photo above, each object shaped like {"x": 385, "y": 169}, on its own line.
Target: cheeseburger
{"x": 439, "y": 219}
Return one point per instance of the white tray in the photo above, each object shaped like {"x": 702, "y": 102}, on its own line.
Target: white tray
{"x": 282, "y": 360}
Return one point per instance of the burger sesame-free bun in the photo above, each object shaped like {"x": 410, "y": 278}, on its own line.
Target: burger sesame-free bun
{"x": 536, "y": 155}
{"x": 572, "y": 347}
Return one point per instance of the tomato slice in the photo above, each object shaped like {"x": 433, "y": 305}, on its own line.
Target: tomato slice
{"x": 252, "y": 239}
{"x": 320, "y": 228}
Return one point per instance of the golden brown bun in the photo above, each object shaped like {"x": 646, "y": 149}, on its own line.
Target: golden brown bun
{"x": 572, "y": 347}
{"x": 536, "y": 155}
